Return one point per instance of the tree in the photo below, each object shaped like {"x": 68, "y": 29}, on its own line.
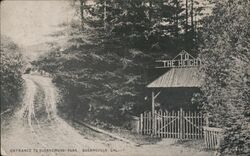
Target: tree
{"x": 147, "y": 25}
{"x": 194, "y": 13}
{"x": 186, "y": 16}
{"x": 82, "y": 12}
{"x": 98, "y": 78}
{"x": 103, "y": 67}
{"x": 226, "y": 57}
{"x": 10, "y": 72}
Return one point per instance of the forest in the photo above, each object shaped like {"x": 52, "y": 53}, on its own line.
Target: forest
{"x": 110, "y": 51}
{"x": 105, "y": 56}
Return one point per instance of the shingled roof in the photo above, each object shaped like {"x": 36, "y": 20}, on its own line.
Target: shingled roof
{"x": 177, "y": 77}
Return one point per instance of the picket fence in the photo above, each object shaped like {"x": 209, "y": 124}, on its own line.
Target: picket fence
{"x": 179, "y": 125}
{"x": 212, "y": 137}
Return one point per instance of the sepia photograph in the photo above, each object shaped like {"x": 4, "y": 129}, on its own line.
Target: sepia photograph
{"x": 125, "y": 77}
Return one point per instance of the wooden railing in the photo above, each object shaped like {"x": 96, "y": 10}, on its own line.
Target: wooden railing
{"x": 212, "y": 137}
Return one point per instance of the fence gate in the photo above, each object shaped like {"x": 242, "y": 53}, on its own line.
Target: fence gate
{"x": 180, "y": 124}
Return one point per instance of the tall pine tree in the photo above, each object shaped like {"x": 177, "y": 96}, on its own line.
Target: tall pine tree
{"x": 226, "y": 57}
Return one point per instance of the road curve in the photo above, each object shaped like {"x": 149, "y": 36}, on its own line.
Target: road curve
{"x": 36, "y": 126}
{"x": 36, "y": 130}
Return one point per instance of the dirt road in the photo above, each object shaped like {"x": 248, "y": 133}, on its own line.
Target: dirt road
{"x": 36, "y": 130}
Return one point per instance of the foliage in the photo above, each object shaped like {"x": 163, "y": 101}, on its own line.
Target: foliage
{"x": 11, "y": 71}
{"x": 102, "y": 68}
{"x": 151, "y": 25}
{"x": 96, "y": 80}
{"x": 226, "y": 57}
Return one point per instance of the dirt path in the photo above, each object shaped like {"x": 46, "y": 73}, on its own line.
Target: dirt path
{"x": 37, "y": 126}
{"x": 37, "y": 130}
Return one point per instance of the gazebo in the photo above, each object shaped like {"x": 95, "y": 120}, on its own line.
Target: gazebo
{"x": 183, "y": 74}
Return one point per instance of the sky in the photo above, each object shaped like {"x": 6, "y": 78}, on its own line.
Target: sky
{"x": 28, "y": 22}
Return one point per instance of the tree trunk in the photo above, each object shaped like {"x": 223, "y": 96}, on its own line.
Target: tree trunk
{"x": 192, "y": 14}
{"x": 105, "y": 15}
{"x": 150, "y": 12}
{"x": 81, "y": 12}
{"x": 186, "y": 25}
{"x": 195, "y": 27}
{"x": 192, "y": 20}
{"x": 176, "y": 18}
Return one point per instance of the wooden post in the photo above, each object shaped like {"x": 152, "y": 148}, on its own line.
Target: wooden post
{"x": 207, "y": 120}
{"x": 195, "y": 123}
{"x": 168, "y": 120}
{"x": 189, "y": 125}
{"x": 161, "y": 124}
{"x": 175, "y": 116}
{"x": 178, "y": 124}
{"x": 192, "y": 127}
{"x": 153, "y": 113}
{"x": 141, "y": 123}
{"x": 164, "y": 122}
{"x": 186, "y": 125}
{"x": 147, "y": 121}
{"x": 181, "y": 124}
{"x": 198, "y": 125}
{"x": 144, "y": 122}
